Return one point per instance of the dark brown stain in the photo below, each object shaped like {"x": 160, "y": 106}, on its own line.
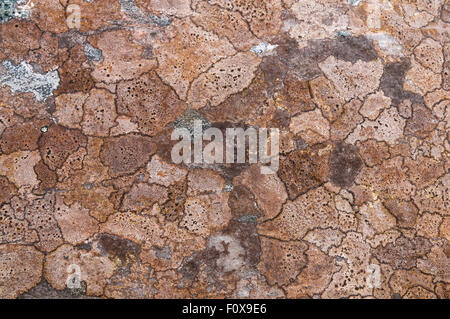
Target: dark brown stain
{"x": 392, "y": 81}
{"x": 345, "y": 163}
{"x": 58, "y": 143}
{"x": 303, "y": 169}
{"x": 242, "y": 202}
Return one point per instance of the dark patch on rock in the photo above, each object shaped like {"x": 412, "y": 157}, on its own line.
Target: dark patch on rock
{"x": 304, "y": 62}
{"x": 50, "y": 104}
{"x": 281, "y": 120}
{"x": 163, "y": 253}
{"x": 421, "y": 123}
{"x": 445, "y": 12}
{"x": 7, "y": 190}
{"x": 345, "y": 163}
{"x": 58, "y": 143}
{"x": 230, "y": 171}
{"x": 43, "y": 290}
{"x": 247, "y": 234}
{"x": 191, "y": 266}
{"x": 405, "y": 212}
{"x": 351, "y": 49}
{"x": 299, "y": 143}
{"x": 70, "y": 39}
{"x": 73, "y": 76}
{"x": 274, "y": 72}
{"x": 164, "y": 142}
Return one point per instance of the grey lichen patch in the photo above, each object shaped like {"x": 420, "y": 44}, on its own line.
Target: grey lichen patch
{"x": 88, "y": 186}
{"x": 13, "y": 9}
{"x": 163, "y": 253}
{"x": 248, "y": 219}
{"x": 129, "y": 7}
{"x": 92, "y": 54}
{"x": 22, "y": 78}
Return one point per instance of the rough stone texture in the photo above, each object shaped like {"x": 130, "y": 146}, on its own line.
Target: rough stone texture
{"x": 224, "y": 78}
{"x": 149, "y": 103}
{"x": 345, "y": 164}
{"x": 303, "y": 170}
{"x": 20, "y": 269}
{"x": 359, "y": 94}
{"x": 97, "y": 120}
{"x": 185, "y": 57}
{"x": 58, "y": 143}
{"x": 122, "y": 58}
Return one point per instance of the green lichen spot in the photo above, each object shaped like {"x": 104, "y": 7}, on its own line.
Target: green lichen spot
{"x": 9, "y": 10}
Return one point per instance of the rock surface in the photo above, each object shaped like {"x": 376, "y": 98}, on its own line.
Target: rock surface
{"x": 93, "y": 206}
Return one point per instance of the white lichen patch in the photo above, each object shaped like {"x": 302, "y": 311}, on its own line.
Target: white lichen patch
{"x": 22, "y": 78}
{"x": 263, "y": 49}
